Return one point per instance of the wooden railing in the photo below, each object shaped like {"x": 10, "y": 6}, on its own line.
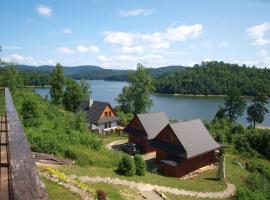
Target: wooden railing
{"x": 25, "y": 182}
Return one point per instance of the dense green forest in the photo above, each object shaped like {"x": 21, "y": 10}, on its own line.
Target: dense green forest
{"x": 215, "y": 78}
{"x": 27, "y": 78}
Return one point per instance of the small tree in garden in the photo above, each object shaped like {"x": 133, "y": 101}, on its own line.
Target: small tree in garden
{"x": 126, "y": 166}
{"x": 140, "y": 165}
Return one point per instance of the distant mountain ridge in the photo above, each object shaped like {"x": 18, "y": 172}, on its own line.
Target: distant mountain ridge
{"x": 99, "y": 73}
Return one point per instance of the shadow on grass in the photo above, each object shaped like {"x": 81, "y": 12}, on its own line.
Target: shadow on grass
{"x": 212, "y": 179}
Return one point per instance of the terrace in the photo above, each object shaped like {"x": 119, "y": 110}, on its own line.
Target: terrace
{"x": 19, "y": 177}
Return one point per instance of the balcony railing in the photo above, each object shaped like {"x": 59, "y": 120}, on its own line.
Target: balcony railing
{"x": 19, "y": 177}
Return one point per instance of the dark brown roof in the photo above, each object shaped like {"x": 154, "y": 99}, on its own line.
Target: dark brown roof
{"x": 94, "y": 112}
{"x": 194, "y": 137}
{"x": 153, "y": 123}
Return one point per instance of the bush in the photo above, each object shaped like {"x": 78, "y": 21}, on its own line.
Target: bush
{"x": 140, "y": 165}
{"x": 101, "y": 195}
{"x": 126, "y": 166}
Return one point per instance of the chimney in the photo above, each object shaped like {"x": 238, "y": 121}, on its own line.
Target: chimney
{"x": 90, "y": 102}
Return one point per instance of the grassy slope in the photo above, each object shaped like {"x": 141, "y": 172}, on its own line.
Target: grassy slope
{"x": 197, "y": 184}
{"x": 116, "y": 192}
{"x": 57, "y": 192}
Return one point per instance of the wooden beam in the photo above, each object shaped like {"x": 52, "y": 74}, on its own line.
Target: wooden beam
{"x": 25, "y": 181}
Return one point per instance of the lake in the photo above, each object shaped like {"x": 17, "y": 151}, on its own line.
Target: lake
{"x": 179, "y": 107}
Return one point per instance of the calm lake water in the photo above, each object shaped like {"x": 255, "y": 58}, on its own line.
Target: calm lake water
{"x": 179, "y": 107}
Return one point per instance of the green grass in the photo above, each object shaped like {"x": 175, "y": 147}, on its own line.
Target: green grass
{"x": 112, "y": 191}
{"x": 58, "y": 192}
{"x": 198, "y": 183}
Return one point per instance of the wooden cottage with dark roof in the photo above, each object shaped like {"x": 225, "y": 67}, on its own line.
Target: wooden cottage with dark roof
{"x": 184, "y": 147}
{"x": 145, "y": 127}
{"x": 100, "y": 115}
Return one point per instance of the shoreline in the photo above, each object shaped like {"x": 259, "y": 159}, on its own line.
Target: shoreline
{"x": 192, "y": 95}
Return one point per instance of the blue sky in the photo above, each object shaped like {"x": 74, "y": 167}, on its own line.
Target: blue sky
{"x": 120, "y": 33}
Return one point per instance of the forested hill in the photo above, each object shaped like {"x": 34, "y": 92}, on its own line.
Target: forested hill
{"x": 98, "y": 73}
{"x": 214, "y": 78}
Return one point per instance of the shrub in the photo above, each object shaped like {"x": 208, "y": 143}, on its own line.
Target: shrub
{"x": 101, "y": 195}
{"x": 140, "y": 165}
{"x": 126, "y": 166}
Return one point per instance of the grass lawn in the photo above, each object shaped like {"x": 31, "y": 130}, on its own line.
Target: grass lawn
{"x": 58, "y": 192}
{"x": 204, "y": 182}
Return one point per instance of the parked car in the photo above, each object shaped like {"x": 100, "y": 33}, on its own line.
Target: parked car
{"x": 130, "y": 148}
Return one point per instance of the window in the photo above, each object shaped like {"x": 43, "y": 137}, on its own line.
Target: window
{"x": 109, "y": 124}
{"x": 106, "y": 114}
{"x": 110, "y": 114}
{"x": 106, "y": 125}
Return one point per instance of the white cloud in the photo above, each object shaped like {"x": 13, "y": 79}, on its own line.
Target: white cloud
{"x": 84, "y": 49}
{"x": 132, "y": 49}
{"x": 77, "y": 49}
{"x": 64, "y": 50}
{"x": 135, "y": 12}
{"x": 44, "y": 10}
{"x": 67, "y": 31}
{"x": 258, "y": 33}
{"x": 130, "y": 61}
{"x": 184, "y": 32}
{"x": 16, "y": 58}
{"x": 118, "y": 38}
{"x": 134, "y": 42}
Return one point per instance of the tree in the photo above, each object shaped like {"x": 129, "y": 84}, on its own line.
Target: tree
{"x": 234, "y": 104}
{"x": 135, "y": 98}
{"x": 140, "y": 165}
{"x": 86, "y": 89}
{"x": 221, "y": 113}
{"x": 57, "y": 82}
{"x": 29, "y": 113}
{"x": 126, "y": 166}
{"x": 257, "y": 109}
{"x": 73, "y": 95}
{"x": 11, "y": 77}
{"x": 125, "y": 100}
{"x": 125, "y": 118}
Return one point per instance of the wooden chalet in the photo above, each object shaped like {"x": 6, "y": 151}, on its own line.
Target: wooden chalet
{"x": 100, "y": 115}
{"x": 145, "y": 127}
{"x": 184, "y": 147}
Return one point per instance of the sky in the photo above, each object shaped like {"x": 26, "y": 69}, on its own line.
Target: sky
{"x": 121, "y": 33}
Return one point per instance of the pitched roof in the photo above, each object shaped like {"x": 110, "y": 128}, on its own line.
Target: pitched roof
{"x": 153, "y": 123}
{"x": 94, "y": 112}
{"x": 194, "y": 137}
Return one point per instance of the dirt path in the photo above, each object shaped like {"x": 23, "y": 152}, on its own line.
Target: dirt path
{"x": 143, "y": 187}
{"x": 117, "y": 142}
